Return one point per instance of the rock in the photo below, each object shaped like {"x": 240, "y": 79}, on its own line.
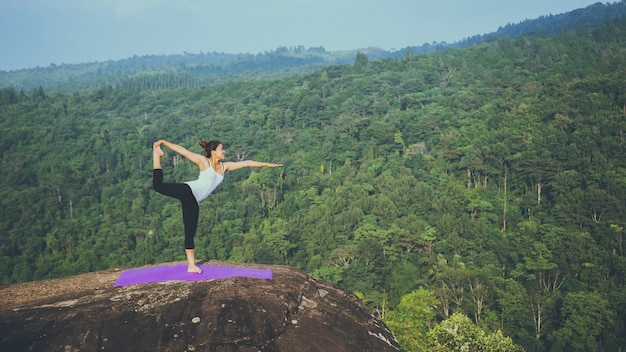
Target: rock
{"x": 291, "y": 312}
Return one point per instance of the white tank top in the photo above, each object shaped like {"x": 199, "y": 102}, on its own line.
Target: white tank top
{"x": 206, "y": 183}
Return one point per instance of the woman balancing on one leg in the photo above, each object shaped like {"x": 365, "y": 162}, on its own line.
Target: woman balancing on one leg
{"x": 192, "y": 193}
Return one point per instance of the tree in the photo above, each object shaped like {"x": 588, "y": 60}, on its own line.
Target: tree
{"x": 412, "y": 318}
{"x": 275, "y": 237}
{"x": 451, "y": 286}
{"x": 584, "y": 316}
{"x": 361, "y": 59}
{"x": 458, "y": 333}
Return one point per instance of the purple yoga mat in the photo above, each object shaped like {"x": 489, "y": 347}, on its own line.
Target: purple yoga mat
{"x": 179, "y": 273}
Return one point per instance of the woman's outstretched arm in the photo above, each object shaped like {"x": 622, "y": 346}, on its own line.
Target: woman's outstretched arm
{"x": 232, "y": 166}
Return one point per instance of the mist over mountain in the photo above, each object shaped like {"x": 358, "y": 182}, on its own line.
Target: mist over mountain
{"x": 198, "y": 69}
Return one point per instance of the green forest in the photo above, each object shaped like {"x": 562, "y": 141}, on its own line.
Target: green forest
{"x": 475, "y": 193}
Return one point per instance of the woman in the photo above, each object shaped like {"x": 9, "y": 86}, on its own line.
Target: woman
{"x": 192, "y": 193}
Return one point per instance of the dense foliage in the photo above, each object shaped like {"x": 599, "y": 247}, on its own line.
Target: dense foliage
{"x": 487, "y": 181}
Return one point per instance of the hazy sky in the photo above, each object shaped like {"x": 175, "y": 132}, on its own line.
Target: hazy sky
{"x": 40, "y": 32}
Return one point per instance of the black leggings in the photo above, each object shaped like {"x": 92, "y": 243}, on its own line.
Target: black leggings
{"x": 182, "y": 192}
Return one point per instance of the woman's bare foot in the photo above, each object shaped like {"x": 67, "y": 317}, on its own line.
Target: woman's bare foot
{"x": 191, "y": 262}
{"x": 157, "y": 151}
{"x": 194, "y": 269}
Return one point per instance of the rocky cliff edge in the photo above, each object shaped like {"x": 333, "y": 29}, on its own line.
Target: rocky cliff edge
{"x": 291, "y": 312}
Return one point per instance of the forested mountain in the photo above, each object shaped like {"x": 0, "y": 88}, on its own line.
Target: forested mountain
{"x": 550, "y": 24}
{"x": 191, "y": 70}
{"x": 488, "y": 181}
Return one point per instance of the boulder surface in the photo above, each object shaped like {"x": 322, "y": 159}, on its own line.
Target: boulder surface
{"x": 291, "y": 312}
